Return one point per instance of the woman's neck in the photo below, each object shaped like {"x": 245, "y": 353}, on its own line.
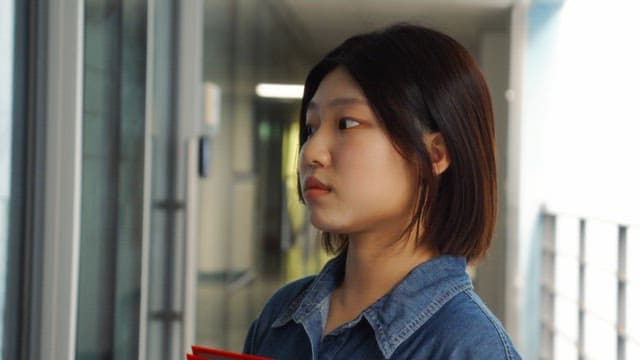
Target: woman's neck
{"x": 372, "y": 268}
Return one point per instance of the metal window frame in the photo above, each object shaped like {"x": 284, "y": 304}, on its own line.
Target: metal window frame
{"x": 57, "y": 224}
{"x": 621, "y": 313}
{"x": 189, "y": 111}
{"x": 16, "y": 334}
{"x": 547, "y": 291}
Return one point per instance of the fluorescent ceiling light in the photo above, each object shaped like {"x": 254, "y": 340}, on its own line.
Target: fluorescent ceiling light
{"x": 280, "y": 91}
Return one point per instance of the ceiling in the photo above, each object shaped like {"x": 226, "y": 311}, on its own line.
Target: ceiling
{"x": 326, "y": 23}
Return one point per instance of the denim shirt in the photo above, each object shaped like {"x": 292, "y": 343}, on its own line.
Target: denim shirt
{"x": 433, "y": 313}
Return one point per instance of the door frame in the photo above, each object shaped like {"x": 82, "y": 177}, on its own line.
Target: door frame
{"x": 189, "y": 116}
{"x": 56, "y": 251}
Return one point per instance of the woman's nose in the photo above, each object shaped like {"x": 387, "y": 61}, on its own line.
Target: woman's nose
{"x": 315, "y": 150}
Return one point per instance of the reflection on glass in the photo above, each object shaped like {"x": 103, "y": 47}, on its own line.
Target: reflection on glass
{"x": 112, "y": 169}
{"x": 252, "y": 232}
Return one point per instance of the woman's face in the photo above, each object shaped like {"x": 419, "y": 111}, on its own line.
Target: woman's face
{"x": 353, "y": 179}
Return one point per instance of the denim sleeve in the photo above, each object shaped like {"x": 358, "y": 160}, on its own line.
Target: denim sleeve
{"x": 249, "y": 342}
{"x": 482, "y": 334}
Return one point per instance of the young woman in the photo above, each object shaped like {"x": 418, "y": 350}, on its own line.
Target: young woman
{"x": 397, "y": 170}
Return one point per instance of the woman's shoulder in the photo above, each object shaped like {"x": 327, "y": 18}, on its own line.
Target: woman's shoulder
{"x": 465, "y": 326}
{"x": 468, "y": 305}
{"x": 285, "y": 297}
{"x": 292, "y": 289}
{"x": 277, "y": 309}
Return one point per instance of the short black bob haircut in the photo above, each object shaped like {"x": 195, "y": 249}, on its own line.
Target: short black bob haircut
{"x": 418, "y": 80}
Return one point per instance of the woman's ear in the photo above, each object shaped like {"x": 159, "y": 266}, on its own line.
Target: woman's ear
{"x": 438, "y": 152}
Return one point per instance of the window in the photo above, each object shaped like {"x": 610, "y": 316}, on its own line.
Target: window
{"x": 589, "y": 289}
{"x": 578, "y": 108}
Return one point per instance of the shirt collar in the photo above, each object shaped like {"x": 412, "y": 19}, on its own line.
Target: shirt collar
{"x": 398, "y": 314}
{"x": 309, "y": 301}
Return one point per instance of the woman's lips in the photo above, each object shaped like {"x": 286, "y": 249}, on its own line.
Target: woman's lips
{"x": 314, "y": 188}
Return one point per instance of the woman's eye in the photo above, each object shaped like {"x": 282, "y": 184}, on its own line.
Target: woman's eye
{"x": 347, "y": 123}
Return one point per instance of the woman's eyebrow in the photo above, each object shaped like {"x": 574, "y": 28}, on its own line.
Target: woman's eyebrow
{"x": 339, "y": 102}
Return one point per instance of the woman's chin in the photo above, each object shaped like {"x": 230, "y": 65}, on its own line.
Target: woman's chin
{"x": 327, "y": 226}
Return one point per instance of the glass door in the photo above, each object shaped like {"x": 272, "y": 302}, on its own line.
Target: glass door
{"x": 139, "y": 179}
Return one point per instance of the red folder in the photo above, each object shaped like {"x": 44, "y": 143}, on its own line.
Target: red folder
{"x": 205, "y": 353}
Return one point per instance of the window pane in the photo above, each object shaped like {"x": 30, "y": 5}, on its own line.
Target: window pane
{"x": 599, "y": 339}
{"x": 600, "y": 294}
{"x": 566, "y": 319}
{"x": 633, "y": 287}
{"x": 601, "y": 245}
{"x": 633, "y": 350}
{"x": 567, "y": 278}
{"x": 633, "y": 312}
{"x": 564, "y": 348}
{"x": 633, "y": 248}
{"x": 112, "y": 172}
{"x": 568, "y": 236}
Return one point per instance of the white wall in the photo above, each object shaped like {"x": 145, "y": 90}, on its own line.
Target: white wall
{"x": 592, "y": 118}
